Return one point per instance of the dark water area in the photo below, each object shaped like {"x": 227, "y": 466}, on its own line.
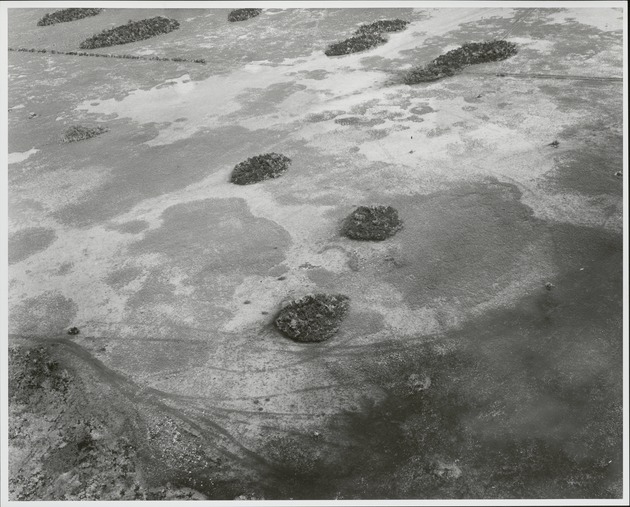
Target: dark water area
{"x": 522, "y": 403}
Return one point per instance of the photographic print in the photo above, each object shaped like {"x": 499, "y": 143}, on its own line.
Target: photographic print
{"x": 332, "y": 251}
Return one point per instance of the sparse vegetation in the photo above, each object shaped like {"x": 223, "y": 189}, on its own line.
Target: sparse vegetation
{"x": 454, "y": 61}
{"x": 313, "y": 318}
{"x": 31, "y": 371}
{"x": 243, "y": 14}
{"x": 65, "y": 15}
{"x": 107, "y": 55}
{"x": 372, "y": 223}
{"x": 80, "y": 133}
{"x": 131, "y": 32}
{"x": 260, "y": 168}
{"x": 366, "y": 37}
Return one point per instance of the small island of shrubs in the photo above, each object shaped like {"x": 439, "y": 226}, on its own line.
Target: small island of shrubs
{"x": 366, "y": 37}
{"x": 313, "y": 318}
{"x": 65, "y": 15}
{"x": 131, "y": 32}
{"x": 454, "y": 61}
{"x": 260, "y": 168}
{"x": 80, "y": 133}
{"x": 371, "y": 223}
{"x": 243, "y": 14}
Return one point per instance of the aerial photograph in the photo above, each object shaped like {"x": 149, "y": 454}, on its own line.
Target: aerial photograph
{"x": 265, "y": 253}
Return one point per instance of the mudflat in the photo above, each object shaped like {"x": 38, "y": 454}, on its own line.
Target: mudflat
{"x": 480, "y": 354}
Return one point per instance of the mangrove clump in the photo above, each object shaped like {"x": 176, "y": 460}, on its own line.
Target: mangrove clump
{"x": 65, "y": 15}
{"x": 313, "y": 318}
{"x": 260, "y": 168}
{"x": 80, "y": 133}
{"x": 454, "y": 61}
{"x": 243, "y": 14}
{"x": 131, "y": 32}
{"x": 372, "y": 223}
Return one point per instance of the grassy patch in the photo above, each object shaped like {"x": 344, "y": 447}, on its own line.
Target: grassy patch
{"x": 260, "y": 168}
{"x": 372, "y": 223}
{"x": 131, "y": 32}
{"x": 366, "y": 37}
{"x": 65, "y": 15}
{"x": 243, "y": 14}
{"x": 313, "y": 318}
{"x": 454, "y": 61}
{"x": 80, "y": 133}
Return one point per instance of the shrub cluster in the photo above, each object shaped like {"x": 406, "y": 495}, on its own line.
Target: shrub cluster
{"x": 131, "y": 32}
{"x": 355, "y": 44}
{"x": 105, "y": 55}
{"x": 65, "y": 15}
{"x": 454, "y": 61}
{"x": 80, "y": 133}
{"x": 372, "y": 223}
{"x": 383, "y": 26}
{"x": 313, "y": 318}
{"x": 259, "y": 168}
{"x": 243, "y": 14}
{"x": 366, "y": 37}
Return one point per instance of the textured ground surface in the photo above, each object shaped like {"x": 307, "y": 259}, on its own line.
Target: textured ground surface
{"x": 456, "y": 372}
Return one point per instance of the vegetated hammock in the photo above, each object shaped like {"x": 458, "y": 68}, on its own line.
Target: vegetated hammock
{"x": 131, "y": 32}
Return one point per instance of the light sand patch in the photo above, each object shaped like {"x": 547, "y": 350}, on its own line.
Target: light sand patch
{"x": 541, "y": 45}
{"x": 16, "y": 157}
{"x": 145, "y": 52}
{"x": 606, "y": 19}
{"x": 51, "y": 188}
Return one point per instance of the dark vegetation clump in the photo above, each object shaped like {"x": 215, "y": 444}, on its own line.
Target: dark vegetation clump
{"x": 454, "y": 61}
{"x": 355, "y": 44}
{"x": 366, "y": 37}
{"x": 243, "y": 14}
{"x": 65, "y": 15}
{"x": 80, "y": 133}
{"x": 73, "y": 330}
{"x": 372, "y": 223}
{"x": 383, "y": 26}
{"x": 313, "y": 318}
{"x": 260, "y": 168}
{"x": 131, "y": 32}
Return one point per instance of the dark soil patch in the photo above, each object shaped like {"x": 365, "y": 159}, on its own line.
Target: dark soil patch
{"x": 260, "y": 168}
{"x": 454, "y": 61}
{"x": 131, "y": 32}
{"x": 243, "y": 14}
{"x": 65, "y": 15}
{"x": 313, "y": 318}
{"x": 80, "y": 133}
{"x": 372, "y": 223}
